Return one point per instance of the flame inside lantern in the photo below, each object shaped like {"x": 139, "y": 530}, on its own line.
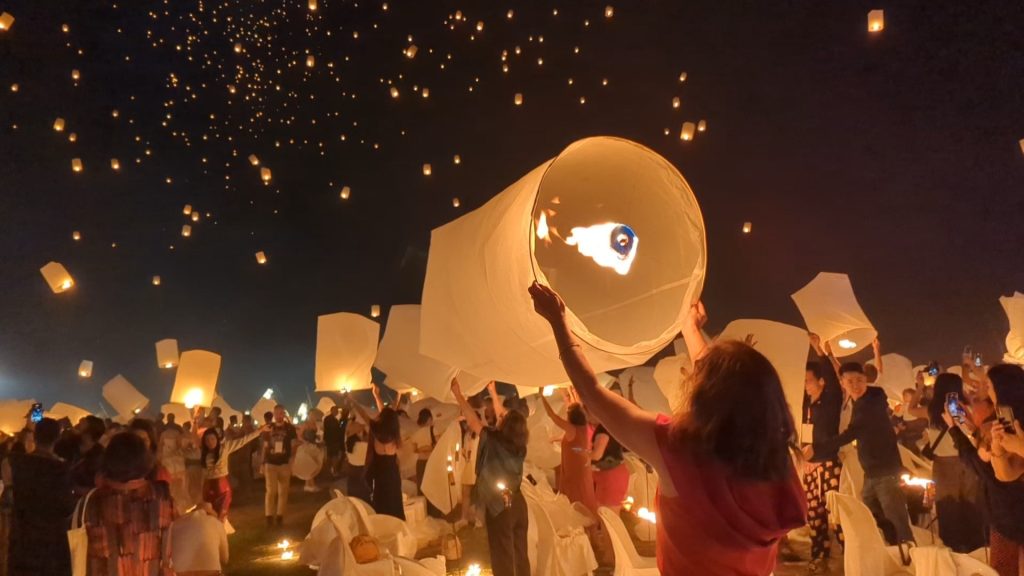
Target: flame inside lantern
{"x": 611, "y": 245}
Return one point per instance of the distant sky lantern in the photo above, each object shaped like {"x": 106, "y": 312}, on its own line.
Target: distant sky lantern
{"x": 425, "y": 92}
{"x": 394, "y": 91}
{"x": 310, "y": 61}
{"x": 73, "y": 137}
{"x": 411, "y": 51}
{"x": 167, "y": 353}
{"x": 65, "y": 28}
{"x": 1022, "y": 145}
{"x": 266, "y": 174}
{"x": 682, "y": 76}
{"x": 676, "y": 102}
{"x": 510, "y": 14}
{"x": 57, "y": 277}
{"x": 195, "y": 216}
{"x": 114, "y": 113}
{"x": 76, "y": 75}
{"x": 186, "y": 230}
{"x": 254, "y": 160}
{"x": 115, "y": 164}
{"x": 195, "y": 382}
{"x": 457, "y": 159}
{"x": 375, "y": 311}
{"x": 76, "y": 164}
{"x": 687, "y": 132}
{"x": 747, "y": 227}
{"x": 427, "y": 170}
{"x": 876, "y": 20}
{"x": 702, "y": 125}
{"x": 346, "y": 347}
{"x": 6, "y": 21}
{"x": 76, "y": 235}
{"x": 58, "y": 125}
{"x": 14, "y": 87}
{"x": 156, "y": 280}
{"x": 85, "y": 369}
{"x": 312, "y": 5}
{"x": 609, "y": 11}
{"x": 261, "y": 257}
{"x": 238, "y": 47}
{"x": 480, "y": 26}
{"x": 518, "y": 99}
{"x": 187, "y": 209}
{"x": 346, "y": 193}
{"x": 456, "y": 203}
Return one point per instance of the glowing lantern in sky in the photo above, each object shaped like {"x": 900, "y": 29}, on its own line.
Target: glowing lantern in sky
{"x": 1022, "y": 145}
{"x": 876, "y": 20}
{"x": 195, "y": 216}
{"x": 76, "y": 75}
{"x": 676, "y": 102}
{"x": 411, "y": 51}
{"x": 73, "y": 137}
{"x": 115, "y": 164}
{"x": 167, "y": 353}
{"x": 394, "y": 91}
{"x": 457, "y": 159}
{"x": 312, "y": 5}
{"x": 1014, "y": 308}
{"x": 261, "y": 257}
{"x": 57, "y": 277}
{"x": 682, "y": 76}
{"x": 609, "y": 11}
{"x": 85, "y": 369}
{"x": 254, "y": 160}
{"x": 310, "y": 61}
{"x": 830, "y": 310}
{"x": 266, "y": 174}
{"x": 346, "y": 193}
{"x": 427, "y": 170}
{"x": 124, "y": 397}
{"x": 58, "y": 125}
{"x": 346, "y": 346}
{"x": 480, "y": 319}
{"x": 702, "y": 126}
{"x": 238, "y": 47}
{"x": 14, "y": 87}
{"x": 375, "y": 311}
{"x": 156, "y": 280}
{"x": 687, "y": 131}
{"x": 747, "y": 227}
{"x": 195, "y": 383}
{"x": 76, "y": 164}
{"x": 518, "y": 99}
{"x": 456, "y": 203}
{"x": 186, "y": 230}
{"x": 425, "y": 92}
{"x": 6, "y": 21}
{"x": 76, "y": 235}
{"x": 187, "y": 209}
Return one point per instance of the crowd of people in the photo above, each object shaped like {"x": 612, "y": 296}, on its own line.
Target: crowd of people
{"x": 736, "y": 473}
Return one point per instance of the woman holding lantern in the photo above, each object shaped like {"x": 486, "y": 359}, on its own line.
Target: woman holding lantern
{"x": 382, "y": 472}
{"x": 728, "y": 490}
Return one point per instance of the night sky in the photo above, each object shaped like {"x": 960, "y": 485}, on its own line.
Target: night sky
{"x": 892, "y": 157}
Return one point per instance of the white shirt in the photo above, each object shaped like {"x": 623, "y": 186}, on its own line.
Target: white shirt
{"x": 198, "y": 543}
{"x": 421, "y": 439}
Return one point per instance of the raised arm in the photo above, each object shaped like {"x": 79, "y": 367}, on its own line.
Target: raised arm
{"x": 570, "y": 430}
{"x": 233, "y": 445}
{"x": 360, "y": 411}
{"x": 696, "y": 345}
{"x": 876, "y": 347}
{"x": 472, "y": 420}
{"x": 832, "y": 358}
{"x": 499, "y": 408}
{"x": 377, "y": 399}
{"x": 630, "y": 425}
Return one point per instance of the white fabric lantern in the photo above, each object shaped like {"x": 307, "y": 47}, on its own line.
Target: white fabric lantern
{"x": 436, "y": 486}
{"x": 831, "y": 311}
{"x": 57, "y": 277}
{"x": 346, "y": 346}
{"x": 325, "y": 404}
{"x": 1014, "y": 307}
{"x": 85, "y": 369}
{"x": 70, "y": 411}
{"x": 672, "y": 374}
{"x": 181, "y": 414}
{"x": 897, "y": 376}
{"x": 646, "y": 392}
{"x": 226, "y": 411}
{"x": 876, "y": 20}
{"x": 167, "y": 353}
{"x": 195, "y": 383}
{"x": 786, "y": 347}
{"x": 13, "y": 415}
{"x": 123, "y": 397}
{"x": 477, "y": 314}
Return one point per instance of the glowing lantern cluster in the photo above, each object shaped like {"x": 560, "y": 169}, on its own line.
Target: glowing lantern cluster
{"x": 876, "y": 20}
{"x": 167, "y": 353}
{"x": 85, "y": 369}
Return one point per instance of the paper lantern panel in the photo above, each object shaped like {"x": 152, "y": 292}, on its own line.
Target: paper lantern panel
{"x": 346, "y": 347}
{"x": 124, "y": 397}
{"x": 830, "y": 310}
{"x": 195, "y": 383}
{"x": 167, "y": 353}
{"x": 57, "y": 277}
{"x": 609, "y": 224}
{"x": 71, "y": 412}
{"x": 399, "y": 355}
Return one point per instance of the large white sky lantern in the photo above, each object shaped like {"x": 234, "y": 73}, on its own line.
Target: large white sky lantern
{"x": 786, "y": 347}
{"x": 70, "y": 411}
{"x": 1014, "y": 307}
{"x": 167, "y": 353}
{"x": 609, "y": 224}
{"x": 195, "y": 383}
{"x": 346, "y": 346}
{"x": 124, "y": 397}
{"x": 57, "y": 277}
{"x": 830, "y": 310}
{"x": 12, "y": 415}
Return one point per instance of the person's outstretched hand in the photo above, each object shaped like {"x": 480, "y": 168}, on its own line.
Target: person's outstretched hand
{"x": 697, "y": 316}
{"x": 547, "y": 302}
{"x": 456, "y": 389}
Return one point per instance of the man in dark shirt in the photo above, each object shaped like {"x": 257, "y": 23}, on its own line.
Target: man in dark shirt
{"x": 823, "y": 401}
{"x": 876, "y": 449}
{"x": 83, "y": 474}
{"x": 278, "y": 448}
{"x": 333, "y": 439}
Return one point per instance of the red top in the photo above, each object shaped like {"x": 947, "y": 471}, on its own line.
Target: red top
{"x": 720, "y": 525}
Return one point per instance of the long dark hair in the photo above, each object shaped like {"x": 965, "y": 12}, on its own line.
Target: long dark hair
{"x": 1008, "y": 382}
{"x": 576, "y": 415}
{"x": 945, "y": 383}
{"x": 205, "y": 450}
{"x": 514, "y": 432}
{"x": 126, "y": 458}
{"x": 385, "y": 427}
{"x": 738, "y": 413}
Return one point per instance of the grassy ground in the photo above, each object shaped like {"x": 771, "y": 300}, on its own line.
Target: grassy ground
{"x": 254, "y": 549}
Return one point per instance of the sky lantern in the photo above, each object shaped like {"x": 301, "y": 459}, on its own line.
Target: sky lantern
{"x": 876, "y": 20}
{"x": 14, "y": 87}
{"x": 195, "y": 216}
{"x": 76, "y": 164}
{"x": 76, "y": 235}
{"x": 393, "y": 91}
{"x": 125, "y": 398}
{"x": 830, "y": 310}
{"x": 57, "y": 277}
{"x": 375, "y": 311}
{"x": 676, "y": 102}
{"x": 85, "y": 369}
{"x": 427, "y": 170}
{"x": 58, "y": 125}
{"x": 6, "y": 21}
{"x": 238, "y": 47}
{"x": 156, "y": 280}
{"x": 115, "y": 164}
{"x": 312, "y": 5}
{"x": 73, "y": 137}
{"x": 187, "y": 209}
{"x": 687, "y": 131}
{"x": 186, "y": 230}
{"x": 411, "y": 51}
{"x": 747, "y": 227}
{"x": 167, "y": 353}
{"x": 574, "y": 239}
{"x": 12, "y": 415}
{"x": 346, "y": 347}
{"x": 425, "y": 92}
{"x": 609, "y": 11}
{"x": 682, "y": 76}
{"x": 518, "y": 99}
{"x": 1021, "y": 145}
{"x": 261, "y": 257}
{"x": 346, "y": 193}
{"x": 479, "y": 25}
{"x": 456, "y": 160}
{"x": 76, "y": 75}
{"x": 702, "y": 126}
{"x": 455, "y": 202}
{"x": 254, "y": 160}
{"x": 266, "y": 174}
{"x": 195, "y": 383}
{"x": 510, "y": 14}
{"x": 310, "y": 61}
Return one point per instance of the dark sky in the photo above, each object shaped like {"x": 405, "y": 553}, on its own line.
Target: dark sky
{"x": 891, "y": 157}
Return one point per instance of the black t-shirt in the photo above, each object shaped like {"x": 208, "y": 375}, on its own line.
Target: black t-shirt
{"x": 871, "y": 428}
{"x": 278, "y": 443}
{"x": 333, "y": 433}
{"x": 824, "y": 414}
{"x": 613, "y": 451}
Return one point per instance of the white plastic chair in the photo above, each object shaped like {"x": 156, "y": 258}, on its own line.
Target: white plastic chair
{"x": 866, "y": 553}
{"x": 563, "y": 550}
{"x": 393, "y": 533}
{"x": 933, "y": 561}
{"x": 316, "y": 548}
{"x": 628, "y": 562}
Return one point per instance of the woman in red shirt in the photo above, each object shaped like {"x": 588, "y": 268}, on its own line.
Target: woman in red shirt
{"x": 728, "y": 490}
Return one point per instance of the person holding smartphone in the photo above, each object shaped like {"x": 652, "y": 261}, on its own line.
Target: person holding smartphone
{"x": 1007, "y": 393}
